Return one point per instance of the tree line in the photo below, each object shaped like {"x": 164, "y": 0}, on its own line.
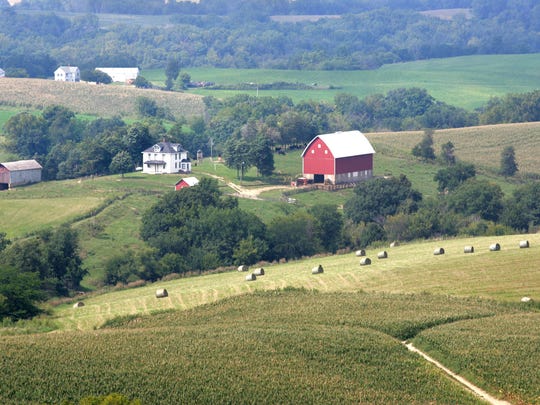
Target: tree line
{"x": 37, "y": 268}
{"x": 245, "y": 130}
{"x": 242, "y": 34}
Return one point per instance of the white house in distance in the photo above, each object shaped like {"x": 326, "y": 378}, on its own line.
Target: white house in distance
{"x": 123, "y": 75}
{"x": 166, "y": 158}
{"x": 67, "y": 74}
{"x": 18, "y": 173}
{"x": 2, "y": 73}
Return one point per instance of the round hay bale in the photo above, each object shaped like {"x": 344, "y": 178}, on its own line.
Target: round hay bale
{"x": 259, "y": 271}
{"x": 78, "y": 304}
{"x": 438, "y": 251}
{"x": 360, "y": 252}
{"x": 526, "y": 299}
{"x": 523, "y": 244}
{"x": 365, "y": 261}
{"x": 161, "y": 293}
{"x": 494, "y": 247}
{"x": 243, "y": 267}
{"x": 251, "y": 277}
{"x": 394, "y": 244}
{"x": 382, "y": 255}
{"x": 317, "y": 270}
{"x": 468, "y": 249}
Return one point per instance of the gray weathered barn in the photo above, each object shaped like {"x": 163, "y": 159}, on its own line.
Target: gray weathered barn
{"x": 18, "y": 173}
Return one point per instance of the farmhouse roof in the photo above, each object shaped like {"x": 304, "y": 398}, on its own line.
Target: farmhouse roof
{"x": 68, "y": 69}
{"x": 165, "y": 147}
{"x": 344, "y": 144}
{"x": 21, "y": 165}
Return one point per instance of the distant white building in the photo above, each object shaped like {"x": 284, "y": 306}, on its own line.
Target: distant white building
{"x": 166, "y": 158}
{"x": 67, "y": 74}
{"x": 123, "y": 75}
{"x": 2, "y": 73}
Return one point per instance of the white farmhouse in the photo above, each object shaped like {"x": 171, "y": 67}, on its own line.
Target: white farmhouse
{"x": 2, "y": 73}
{"x": 166, "y": 158}
{"x": 67, "y": 74}
{"x": 123, "y": 75}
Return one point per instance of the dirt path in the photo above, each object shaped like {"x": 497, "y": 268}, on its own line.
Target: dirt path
{"x": 244, "y": 192}
{"x": 476, "y": 390}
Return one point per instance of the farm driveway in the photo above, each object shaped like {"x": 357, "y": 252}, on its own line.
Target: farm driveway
{"x": 244, "y": 192}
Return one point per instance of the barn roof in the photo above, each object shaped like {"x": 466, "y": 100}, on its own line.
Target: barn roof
{"x": 344, "y": 144}
{"x": 21, "y": 165}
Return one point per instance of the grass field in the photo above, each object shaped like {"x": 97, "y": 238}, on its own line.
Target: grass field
{"x": 480, "y": 145}
{"x": 467, "y": 82}
{"x": 484, "y": 274}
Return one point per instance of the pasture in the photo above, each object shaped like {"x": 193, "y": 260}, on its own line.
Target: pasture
{"x": 467, "y": 82}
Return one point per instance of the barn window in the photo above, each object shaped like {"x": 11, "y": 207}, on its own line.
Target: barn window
{"x": 312, "y": 150}
{"x": 355, "y": 174}
{"x": 319, "y": 146}
{"x": 326, "y": 152}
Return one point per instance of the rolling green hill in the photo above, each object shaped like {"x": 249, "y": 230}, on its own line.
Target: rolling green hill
{"x": 467, "y": 82}
{"x": 291, "y": 336}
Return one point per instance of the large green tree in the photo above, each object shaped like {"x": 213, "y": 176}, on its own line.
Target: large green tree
{"x": 26, "y": 135}
{"x": 449, "y": 178}
{"x": 477, "y": 197}
{"x": 375, "y": 199}
{"x": 19, "y": 293}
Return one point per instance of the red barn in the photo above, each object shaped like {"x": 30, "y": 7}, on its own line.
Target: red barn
{"x": 341, "y": 157}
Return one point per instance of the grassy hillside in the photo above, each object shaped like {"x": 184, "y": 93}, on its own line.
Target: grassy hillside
{"x": 83, "y": 98}
{"x": 409, "y": 269}
{"x": 480, "y": 145}
{"x": 107, "y": 210}
{"x": 467, "y": 82}
{"x": 334, "y": 338}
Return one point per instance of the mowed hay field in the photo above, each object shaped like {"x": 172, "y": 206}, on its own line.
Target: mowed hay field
{"x": 505, "y": 275}
{"x": 99, "y": 100}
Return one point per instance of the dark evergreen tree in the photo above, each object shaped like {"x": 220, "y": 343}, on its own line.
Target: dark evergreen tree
{"x": 447, "y": 154}
{"x": 509, "y": 166}
{"x": 424, "y": 149}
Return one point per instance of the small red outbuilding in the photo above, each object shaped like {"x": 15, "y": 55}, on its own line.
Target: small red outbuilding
{"x": 187, "y": 182}
{"x": 340, "y": 157}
